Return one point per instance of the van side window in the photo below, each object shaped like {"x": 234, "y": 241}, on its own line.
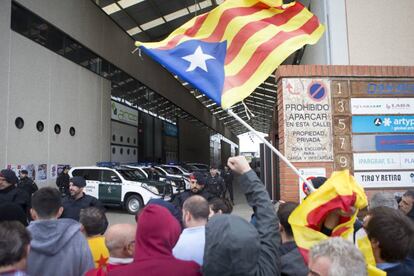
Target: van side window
{"x": 88, "y": 174}
{"x": 110, "y": 176}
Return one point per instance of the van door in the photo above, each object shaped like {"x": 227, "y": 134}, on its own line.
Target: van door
{"x": 110, "y": 187}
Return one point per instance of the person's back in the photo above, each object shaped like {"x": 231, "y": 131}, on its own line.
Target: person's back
{"x": 233, "y": 245}
{"x": 157, "y": 233}
{"x": 58, "y": 247}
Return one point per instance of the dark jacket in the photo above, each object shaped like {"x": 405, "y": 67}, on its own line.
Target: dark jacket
{"x": 292, "y": 261}
{"x": 180, "y": 198}
{"x": 63, "y": 183}
{"x": 215, "y": 185}
{"x": 157, "y": 233}
{"x": 72, "y": 207}
{"x": 14, "y": 195}
{"x": 26, "y": 184}
{"x": 403, "y": 269}
{"x": 234, "y": 246}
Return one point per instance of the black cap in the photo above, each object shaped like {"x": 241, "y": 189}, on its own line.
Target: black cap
{"x": 78, "y": 181}
{"x": 9, "y": 175}
{"x": 24, "y": 172}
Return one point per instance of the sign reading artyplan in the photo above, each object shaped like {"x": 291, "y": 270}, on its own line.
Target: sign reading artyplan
{"x": 383, "y": 161}
{"x": 368, "y": 106}
{"x": 384, "y": 124}
{"x": 385, "y": 179}
{"x": 122, "y": 113}
{"x": 307, "y": 120}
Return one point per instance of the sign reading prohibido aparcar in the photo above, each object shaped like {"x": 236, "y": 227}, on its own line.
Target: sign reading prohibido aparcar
{"x": 307, "y": 120}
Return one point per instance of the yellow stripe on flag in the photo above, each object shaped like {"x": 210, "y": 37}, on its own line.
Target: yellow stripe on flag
{"x": 265, "y": 69}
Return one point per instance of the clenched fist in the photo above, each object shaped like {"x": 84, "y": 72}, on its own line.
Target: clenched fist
{"x": 238, "y": 164}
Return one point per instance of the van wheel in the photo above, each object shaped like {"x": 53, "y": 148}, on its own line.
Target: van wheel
{"x": 133, "y": 203}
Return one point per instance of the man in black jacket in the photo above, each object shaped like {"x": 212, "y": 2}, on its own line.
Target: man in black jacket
{"x": 9, "y": 191}
{"x": 215, "y": 183}
{"x": 292, "y": 261}
{"x": 63, "y": 182}
{"x": 78, "y": 200}
{"x": 197, "y": 183}
{"x": 234, "y": 246}
{"x": 26, "y": 184}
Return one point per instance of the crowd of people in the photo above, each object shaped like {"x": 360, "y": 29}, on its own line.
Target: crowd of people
{"x": 43, "y": 233}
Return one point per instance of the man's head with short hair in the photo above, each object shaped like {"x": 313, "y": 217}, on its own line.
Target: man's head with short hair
{"x": 391, "y": 234}
{"x": 120, "y": 240}
{"x": 14, "y": 245}
{"x": 407, "y": 202}
{"x": 197, "y": 182}
{"x": 284, "y": 211}
{"x": 93, "y": 220}
{"x": 383, "y": 199}
{"x": 7, "y": 178}
{"x": 46, "y": 204}
{"x": 76, "y": 186}
{"x": 195, "y": 211}
{"x": 217, "y": 206}
{"x": 336, "y": 257}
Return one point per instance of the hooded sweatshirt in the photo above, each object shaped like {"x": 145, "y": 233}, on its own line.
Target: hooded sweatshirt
{"x": 236, "y": 247}
{"x": 157, "y": 233}
{"x": 58, "y": 248}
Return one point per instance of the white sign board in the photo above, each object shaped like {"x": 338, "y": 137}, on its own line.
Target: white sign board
{"x": 125, "y": 114}
{"x": 307, "y": 120}
{"x": 383, "y": 161}
{"x": 391, "y": 179}
{"x": 309, "y": 174}
{"x": 365, "y": 106}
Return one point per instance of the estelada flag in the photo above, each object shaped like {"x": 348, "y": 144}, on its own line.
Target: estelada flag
{"x": 231, "y": 50}
{"x": 340, "y": 193}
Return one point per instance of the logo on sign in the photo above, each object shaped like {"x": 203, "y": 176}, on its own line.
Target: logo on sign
{"x": 377, "y": 121}
{"x": 317, "y": 91}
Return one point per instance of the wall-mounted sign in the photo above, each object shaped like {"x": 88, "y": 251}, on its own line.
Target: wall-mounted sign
{"x": 385, "y": 124}
{"x": 308, "y": 174}
{"x": 170, "y": 129}
{"x": 398, "y": 88}
{"x": 391, "y": 179}
{"x": 382, "y": 106}
{"x": 122, "y": 113}
{"x": 394, "y": 142}
{"x": 383, "y": 161}
{"x": 307, "y": 120}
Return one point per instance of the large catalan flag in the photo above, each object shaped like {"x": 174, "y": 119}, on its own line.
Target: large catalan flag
{"x": 231, "y": 50}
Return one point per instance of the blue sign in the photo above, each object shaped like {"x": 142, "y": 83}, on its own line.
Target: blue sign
{"x": 390, "y": 88}
{"x": 394, "y": 143}
{"x": 170, "y": 129}
{"x": 384, "y": 124}
{"x": 317, "y": 91}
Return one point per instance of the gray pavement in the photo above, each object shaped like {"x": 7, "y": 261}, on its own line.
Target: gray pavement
{"x": 117, "y": 215}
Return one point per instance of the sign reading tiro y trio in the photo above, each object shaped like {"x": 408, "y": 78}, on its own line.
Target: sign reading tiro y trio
{"x": 307, "y": 120}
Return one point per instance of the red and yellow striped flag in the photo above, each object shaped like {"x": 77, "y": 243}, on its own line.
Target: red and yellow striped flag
{"x": 231, "y": 50}
{"x": 341, "y": 193}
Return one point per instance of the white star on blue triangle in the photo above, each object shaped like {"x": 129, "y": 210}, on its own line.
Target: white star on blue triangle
{"x": 199, "y": 63}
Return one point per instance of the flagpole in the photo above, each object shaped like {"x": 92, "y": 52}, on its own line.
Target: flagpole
{"x": 281, "y": 156}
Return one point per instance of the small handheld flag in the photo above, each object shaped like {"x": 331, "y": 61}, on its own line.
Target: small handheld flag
{"x": 231, "y": 50}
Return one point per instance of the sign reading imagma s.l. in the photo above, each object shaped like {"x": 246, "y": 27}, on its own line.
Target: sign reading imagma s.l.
{"x": 125, "y": 114}
{"x": 383, "y": 161}
{"x": 383, "y": 124}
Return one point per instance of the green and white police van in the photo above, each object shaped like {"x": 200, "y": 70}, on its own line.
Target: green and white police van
{"x": 124, "y": 187}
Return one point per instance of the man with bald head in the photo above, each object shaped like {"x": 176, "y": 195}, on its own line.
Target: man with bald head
{"x": 120, "y": 241}
{"x": 190, "y": 246}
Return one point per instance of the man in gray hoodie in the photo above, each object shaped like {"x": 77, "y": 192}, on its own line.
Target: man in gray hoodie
{"x": 234, "y": 246}
{"x": 57, "y": 247}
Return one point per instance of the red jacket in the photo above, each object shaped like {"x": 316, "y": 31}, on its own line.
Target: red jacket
{"x": 157, "y": 233}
